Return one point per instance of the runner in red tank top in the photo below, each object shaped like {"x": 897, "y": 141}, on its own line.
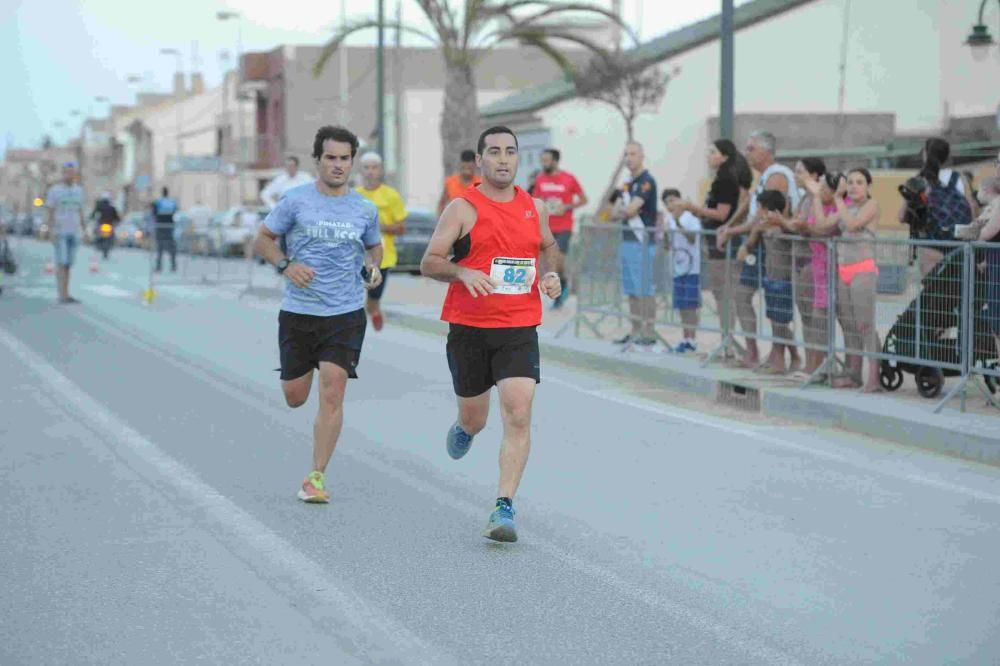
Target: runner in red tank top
{"x": 498, "y": 236}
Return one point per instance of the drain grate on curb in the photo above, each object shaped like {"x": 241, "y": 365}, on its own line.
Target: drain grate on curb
{"x": 738, "y": 396}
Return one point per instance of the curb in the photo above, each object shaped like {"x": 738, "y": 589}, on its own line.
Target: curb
{"x": 969, "y": 436}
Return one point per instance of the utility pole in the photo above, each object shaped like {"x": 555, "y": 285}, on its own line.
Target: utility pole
{"x": 726, "y": 73}
{"x": 380, "y": 80}
{"x": 345, "y": 116}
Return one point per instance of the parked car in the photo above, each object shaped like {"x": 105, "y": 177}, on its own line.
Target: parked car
{"x": 410, "y": 247}
{"x": 233, "y": 229}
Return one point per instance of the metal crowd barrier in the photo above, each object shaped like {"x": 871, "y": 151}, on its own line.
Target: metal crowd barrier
{"x": 810, "y": 295}
{"x": 208, "y": 257}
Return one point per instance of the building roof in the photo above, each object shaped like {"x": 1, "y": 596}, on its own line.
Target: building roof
{"x": 654, "y": 51}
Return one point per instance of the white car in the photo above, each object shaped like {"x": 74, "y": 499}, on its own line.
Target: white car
{"x": 234, "y": 229}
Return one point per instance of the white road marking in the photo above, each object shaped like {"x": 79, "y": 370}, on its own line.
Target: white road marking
{"x": 330, "y": 601}
{"x": 752, "y": 647}
{"x": 110, "y": 291}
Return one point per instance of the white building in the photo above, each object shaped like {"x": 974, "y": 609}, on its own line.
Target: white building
{"x": 820, "y": 74}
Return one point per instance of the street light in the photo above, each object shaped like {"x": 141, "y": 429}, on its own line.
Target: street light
{"x": 225, "y": 15}
{"x": 179, "y": 76}
{"x": 980, "y": 40}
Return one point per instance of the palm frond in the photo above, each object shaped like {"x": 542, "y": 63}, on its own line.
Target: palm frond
{"x": 352, "y": 27}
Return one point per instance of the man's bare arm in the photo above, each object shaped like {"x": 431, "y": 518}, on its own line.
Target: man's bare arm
{"x": 551, "y": 257}
{"x": 435, "y": 263}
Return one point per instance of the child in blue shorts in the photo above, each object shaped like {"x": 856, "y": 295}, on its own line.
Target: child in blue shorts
{"x": 684, "y": 234}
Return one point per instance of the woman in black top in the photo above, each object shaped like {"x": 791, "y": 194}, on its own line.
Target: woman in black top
{"x": 723, "y": 205}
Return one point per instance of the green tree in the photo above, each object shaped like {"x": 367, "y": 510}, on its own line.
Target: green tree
{"x": 464, "y": 36}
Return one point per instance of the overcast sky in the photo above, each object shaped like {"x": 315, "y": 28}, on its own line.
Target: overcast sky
{"x": 58, "y": 55}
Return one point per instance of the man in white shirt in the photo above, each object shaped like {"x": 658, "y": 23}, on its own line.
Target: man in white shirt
{"x": 275, "y": 190}
{"x": 283, "y": 182}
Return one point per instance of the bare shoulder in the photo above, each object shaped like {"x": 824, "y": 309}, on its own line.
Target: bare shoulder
{"x": 459, "y": 214}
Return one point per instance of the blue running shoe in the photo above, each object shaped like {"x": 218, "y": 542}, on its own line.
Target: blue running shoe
{"x": 501, "y": 526}
{"x": 459, "y": 442}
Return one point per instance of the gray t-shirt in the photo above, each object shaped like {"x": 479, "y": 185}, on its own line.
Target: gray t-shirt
{"x": 329, "y": 235}
{"x": 66, "y": 202}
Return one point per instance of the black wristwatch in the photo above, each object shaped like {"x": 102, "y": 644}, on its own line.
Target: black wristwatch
{"x": 282, "y": 265}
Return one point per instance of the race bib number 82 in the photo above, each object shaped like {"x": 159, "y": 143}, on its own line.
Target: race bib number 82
{"x": 512, "y": 276}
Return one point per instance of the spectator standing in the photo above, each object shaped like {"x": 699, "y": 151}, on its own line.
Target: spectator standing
{"x": 811, "y": 290}
{"x": 288, "y": 179}
{"x": 635, "y": 208}
{"x": 684, "y": 234}
{"x": 164, "y": 210}
{"x": 64, "y": 202}
{"x": 457, "y": 183}
{"x": 990, "y": 233}
{"x": 732, "y": 179}
{"x": 562, "y": 194}
{"x": 948, "y": 189}
{"x": 856, "y": 219}
{"x": 760, "y": 152}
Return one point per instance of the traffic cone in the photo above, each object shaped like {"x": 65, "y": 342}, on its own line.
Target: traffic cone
{"x": 50, "y": 268}
{"x": 94, "y": 267}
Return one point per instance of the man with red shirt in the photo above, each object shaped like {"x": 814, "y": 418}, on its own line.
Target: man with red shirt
{"x": 561, "y": 193}
{"x": 497, "y": 234}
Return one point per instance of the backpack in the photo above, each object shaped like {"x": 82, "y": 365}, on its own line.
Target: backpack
{"x": 946, "y": 208}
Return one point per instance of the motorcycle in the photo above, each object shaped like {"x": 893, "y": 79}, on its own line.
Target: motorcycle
{"x": 105, "y": 238}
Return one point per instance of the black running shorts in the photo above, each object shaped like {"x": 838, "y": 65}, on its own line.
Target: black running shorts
{"x": 376, "y": 293}
{"x": 305, "y": 340}
{"x": 480, "y": 357}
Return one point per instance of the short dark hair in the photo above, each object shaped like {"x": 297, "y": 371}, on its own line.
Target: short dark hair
{"x": 670, "y": 192}
{"x": 553, "y": 152}
{"x": 496, "y": 129}
{"x": 468, "y": 155}
{"x": 165, "y": 192}
{"x": 814, "y": 166}
{"x": 293, "y": 158}
{"x": 338, "y": 134}
{"x": 772, "y": 200}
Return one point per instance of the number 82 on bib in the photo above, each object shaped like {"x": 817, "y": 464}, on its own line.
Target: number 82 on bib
{"x": 513, "y": 276}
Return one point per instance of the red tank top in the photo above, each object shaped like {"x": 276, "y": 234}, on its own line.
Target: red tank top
{"x": 504, "y": 243}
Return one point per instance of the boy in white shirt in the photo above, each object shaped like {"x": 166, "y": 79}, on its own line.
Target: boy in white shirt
{"x": 685, "y": 248}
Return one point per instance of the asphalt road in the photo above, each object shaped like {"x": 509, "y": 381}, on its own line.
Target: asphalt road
{"x": 148, "y": 471}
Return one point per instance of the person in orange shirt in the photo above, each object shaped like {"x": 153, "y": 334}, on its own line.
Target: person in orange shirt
{"x": 458, "y": 183}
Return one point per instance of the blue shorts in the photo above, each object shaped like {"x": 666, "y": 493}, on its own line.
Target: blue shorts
{"x": 636, "y": 260}
{"x": 687, "y": 292}
{"x": 66, "y": 246}
{"x": 778, "y": 301}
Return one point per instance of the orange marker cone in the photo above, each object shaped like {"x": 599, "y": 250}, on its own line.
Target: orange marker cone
{"x": 93, "y": 264}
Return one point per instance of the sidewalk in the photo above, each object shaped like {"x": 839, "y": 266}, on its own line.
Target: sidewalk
{"x": 902, "y": 417}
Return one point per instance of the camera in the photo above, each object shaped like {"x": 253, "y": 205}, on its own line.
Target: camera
{"x": 916, "y": 192}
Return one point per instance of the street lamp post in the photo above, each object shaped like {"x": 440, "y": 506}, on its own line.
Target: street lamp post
{"x": 727, "y": 39}
{"x": 178, "y": 148}
{"x": 235, "y": 16}
{"x": 980, "y": 40}
{"x": 380, "y": 80}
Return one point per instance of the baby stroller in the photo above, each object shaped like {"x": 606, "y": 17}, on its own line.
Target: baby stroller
{"x": 931, "y": 328}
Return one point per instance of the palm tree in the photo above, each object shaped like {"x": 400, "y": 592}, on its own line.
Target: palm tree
{"x": 463, "y": 38}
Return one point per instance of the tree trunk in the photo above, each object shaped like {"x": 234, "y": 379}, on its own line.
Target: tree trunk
{"x": 460, "y": 117}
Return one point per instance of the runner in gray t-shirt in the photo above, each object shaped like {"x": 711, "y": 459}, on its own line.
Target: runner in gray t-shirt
{"x": 64, "y": 202}
{"x": 335, "y": 253}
